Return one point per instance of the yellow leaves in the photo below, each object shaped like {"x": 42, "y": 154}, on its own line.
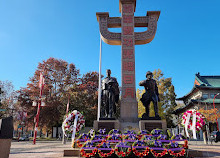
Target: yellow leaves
{"x": 210, "y": 114}
{"x": 141, "y": 108}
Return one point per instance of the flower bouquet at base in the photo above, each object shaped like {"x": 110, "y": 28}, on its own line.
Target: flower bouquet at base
{"x": 72, "y": 124}
{"x": 142, "y": 133}
{"x": 157, "y": 148}
{"x": 157, "y": 131}
{"x": 105, "y": 149}
{"x": 114, "y": 139}
{"x": 115, "y": 132}
{"x": 140, "y": 148}
{"x": 91, "y": 133}
{"x": 88, "y": 149}
{"x": 148, "y": 137}
{"x": 130, "y": 139}
{"x": 123, "y": 149}
{"x": 82, "y": 139}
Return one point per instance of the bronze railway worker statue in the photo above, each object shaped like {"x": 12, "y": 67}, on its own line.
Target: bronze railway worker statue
{"x": 151, "y": 94}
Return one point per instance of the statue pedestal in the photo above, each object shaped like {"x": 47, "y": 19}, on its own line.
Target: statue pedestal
{"x": 71, "y": 152}
{"x": 107, "y": 124}
{"x": 152, "y": 124}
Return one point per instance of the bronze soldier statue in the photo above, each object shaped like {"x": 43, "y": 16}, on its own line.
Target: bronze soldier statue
{"x": 109, "y": 95}
{"x": 151, "y": 94}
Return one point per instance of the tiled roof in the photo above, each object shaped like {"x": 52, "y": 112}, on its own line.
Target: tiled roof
{"x": 204, "y": 82}
{"x": 209, "y": 81}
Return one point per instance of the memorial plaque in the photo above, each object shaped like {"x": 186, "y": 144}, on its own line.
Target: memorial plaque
{"x": 108, "y": 126}
{"x": 150, "y": 126}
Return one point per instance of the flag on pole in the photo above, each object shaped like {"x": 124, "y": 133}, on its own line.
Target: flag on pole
{"x": 41, "y": 81}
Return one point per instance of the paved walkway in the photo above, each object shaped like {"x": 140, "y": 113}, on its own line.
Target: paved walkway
{"x": 199, "y": 149}
{"x": 42, "y": 149}
{"x": 54, "y": 149}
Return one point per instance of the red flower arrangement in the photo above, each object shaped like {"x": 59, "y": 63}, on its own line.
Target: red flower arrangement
{"x": 84, "y": 154}
{"x": 106, "y": 145}
{"x": 141, "y": 154}
{"x": 122, "y": 149}
{"x": 200, "y": 119}
{"x": 102, "y": 154}
{"x": 68, "y": 123}
{"x": 181, "y": 153}
{"x": 156, "y": 154}
{"x": 119, "y": 145}
{"x": 79, "y": 144}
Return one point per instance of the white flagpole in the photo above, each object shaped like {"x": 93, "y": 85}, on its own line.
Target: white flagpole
{"x": 100, "y": 65}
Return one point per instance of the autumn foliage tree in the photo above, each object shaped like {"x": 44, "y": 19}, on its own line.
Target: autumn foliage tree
{"x": 59, "y": 76}
{"x": 84, "y": 96}
{"x": 62, "y": 82}
{"x": 7, "y": 98}
{"x": 210, "y": 114}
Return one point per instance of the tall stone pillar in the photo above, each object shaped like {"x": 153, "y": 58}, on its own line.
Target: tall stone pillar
{"x": 129, "y": 108}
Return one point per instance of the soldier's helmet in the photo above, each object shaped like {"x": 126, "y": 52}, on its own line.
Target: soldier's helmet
{"x": 149, "y": 73}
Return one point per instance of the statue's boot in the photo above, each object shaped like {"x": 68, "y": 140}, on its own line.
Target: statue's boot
{"x": 147, "y": 111}
{"x": 146, "y": 115}
{"x": 156, "y": 110}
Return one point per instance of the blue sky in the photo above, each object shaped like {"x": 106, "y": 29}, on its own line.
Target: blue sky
{"x": 186, "y": 42}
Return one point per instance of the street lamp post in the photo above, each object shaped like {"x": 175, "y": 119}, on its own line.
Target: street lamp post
{"x": 37, "y": 118}
{"x": 215, "y": 111}
{"x": 41, "y": 85}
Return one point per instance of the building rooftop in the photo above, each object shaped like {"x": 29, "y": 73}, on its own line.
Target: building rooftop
{"x": 203, "y": 82}
{"x": 209, "y": 81}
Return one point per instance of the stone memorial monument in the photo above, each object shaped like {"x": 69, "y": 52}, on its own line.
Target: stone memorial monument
{"x": 128, "y": 39}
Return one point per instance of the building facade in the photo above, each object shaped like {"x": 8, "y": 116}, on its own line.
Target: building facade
{"x": 206, "y": 89}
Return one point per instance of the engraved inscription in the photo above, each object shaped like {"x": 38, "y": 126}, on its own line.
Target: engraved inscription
{"x": 128, "y": 79}
{"x": 128, "y": 66}
{"x": 128, "y": 53}
{"x": 129, "y": 93}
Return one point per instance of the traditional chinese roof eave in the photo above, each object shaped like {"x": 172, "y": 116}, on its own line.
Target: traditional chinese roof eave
{"x": 183, "y": 109}
{"x": 193, "y": 102}
{"x": 199, "y": 79}
{"x": 209, "y": 87}
{"x": 195, "y": 89}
